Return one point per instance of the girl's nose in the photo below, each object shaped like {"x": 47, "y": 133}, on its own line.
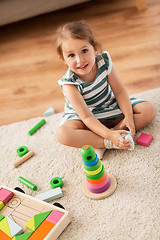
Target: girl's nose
{"x": 80, "y": 59}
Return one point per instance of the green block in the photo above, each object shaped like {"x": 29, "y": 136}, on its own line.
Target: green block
{"x": 36, "y": 127}
{"x": 1, "y": 217}
{"x": 39, "y": 218}
{"x": 23, "y": 236}
{"x": 88, "y": 154}
{"x": 36, "y": 220}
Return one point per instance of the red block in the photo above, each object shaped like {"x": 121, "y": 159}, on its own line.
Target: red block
{"x": 5, "y": 195}
{"x": 144, "y": 139}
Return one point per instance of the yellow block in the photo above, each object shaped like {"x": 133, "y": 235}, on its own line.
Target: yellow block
{"x": 1, "y": 204}
{"x": 5, "y": 227}
{"x": 31, "y": 224}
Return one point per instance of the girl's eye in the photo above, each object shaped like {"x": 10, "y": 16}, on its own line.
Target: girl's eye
{"x": 71, "y": 55}
{"x": 84, "y": 50}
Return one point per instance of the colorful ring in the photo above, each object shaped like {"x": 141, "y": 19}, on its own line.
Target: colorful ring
{"x": 95, "y": 171}
{"x": 100, "y": 190}
{"x": 100, "y": 185}
{"x": 91, "y": 163}
{"x": 56, "y": 182}
{"x": 21, "y": 151}
{"x": 93, "y": 168}
{"x": 97, "y": 181}
{"x": 97, "y": 176}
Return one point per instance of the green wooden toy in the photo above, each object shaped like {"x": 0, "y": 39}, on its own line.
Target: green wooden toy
{"x": 36, "y": 127}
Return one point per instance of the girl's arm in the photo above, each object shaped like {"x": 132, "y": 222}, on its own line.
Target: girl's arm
{"x": 76, "y": 100}
{"x": 123, "y": 100}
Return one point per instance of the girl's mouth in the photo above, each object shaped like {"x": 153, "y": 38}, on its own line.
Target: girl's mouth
{"x": 83, "y": 67}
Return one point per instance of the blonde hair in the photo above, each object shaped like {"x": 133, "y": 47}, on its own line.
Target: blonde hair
{"x": 75, "y": 30}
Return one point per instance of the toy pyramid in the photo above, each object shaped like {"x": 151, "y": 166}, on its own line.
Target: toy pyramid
{"x": 98, "y": 183}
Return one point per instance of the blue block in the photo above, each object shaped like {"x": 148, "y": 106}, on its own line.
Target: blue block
{"x": 15, "y": 229}
{"x": 50, "y": 195}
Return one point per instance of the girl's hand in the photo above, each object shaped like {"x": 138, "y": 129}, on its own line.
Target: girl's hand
{"x": 118, "y": 140}
{"x": 128, "y": 124}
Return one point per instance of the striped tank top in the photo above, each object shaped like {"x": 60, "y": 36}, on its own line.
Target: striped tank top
{"x": 98, "y": 94}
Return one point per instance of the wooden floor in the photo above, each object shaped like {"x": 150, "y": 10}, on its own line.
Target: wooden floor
{"x": 30, "y": 68}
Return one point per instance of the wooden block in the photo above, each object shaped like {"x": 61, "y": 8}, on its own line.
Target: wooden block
{"x": 54, "y": 216}
{"x": 30, "y": 225}
{"x": 50, "y": 111}
{"x": 1, "y": 217}
{"x": 36, "y": 220}
{"x": 144, "y": 139}
{"x": 1, "y": 204}
{"x": 39, "y": 218}
{"x": 23, "y": 159}
{"x": 50, "y": 195}
{"x": 24, "y": 236}
{"x": 22, "y": 207}
{"x": 15, "y": 229}
{"x": 5, "y": 227}
{"x": 5, "y": 195}
{"x": 42, "y": 231}
{"x": 4, "y": 236}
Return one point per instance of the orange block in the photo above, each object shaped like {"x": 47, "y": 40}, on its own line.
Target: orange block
{"x": 4, "y": 236}
{"x": 41, "y": 232}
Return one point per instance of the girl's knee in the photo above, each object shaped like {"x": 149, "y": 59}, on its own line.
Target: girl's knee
{"x": 61, "y": 135}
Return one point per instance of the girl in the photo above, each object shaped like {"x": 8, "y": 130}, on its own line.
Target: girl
{"x": 98, "y": 110}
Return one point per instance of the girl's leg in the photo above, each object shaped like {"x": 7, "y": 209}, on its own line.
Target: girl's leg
{"x": 143, "y": 114}
{"x": 75, "y": 134}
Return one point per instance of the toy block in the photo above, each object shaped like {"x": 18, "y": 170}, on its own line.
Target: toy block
{"x": 37, "y": 126}
{"x": 27, "y": 183}
{"x": 144, "y": 139}
{"x": 15, "y": 229}
{"x": 36, "y": 220}
{"x": 39, "y": 218}
{"x": 23, "y": 159}
{"x": 50, "y": 111}
{"x": 1, "y": 217}
{"x": 5, "y": 195}
{"x": 4, "y": 236}
{"x": 42, "y": 231}
{"x": 1, "y": 204}
{"x": 5, "y": 227}
{"x": 54, "y": 216}
{"x": 50, "y": 195}
{"x": 24, "y": 236}
{"x": 30, "y": 225}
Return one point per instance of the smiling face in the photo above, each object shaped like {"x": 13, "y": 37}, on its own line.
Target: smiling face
{"x": 79, "y": 55}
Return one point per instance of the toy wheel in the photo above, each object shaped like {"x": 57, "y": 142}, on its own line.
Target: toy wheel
{"x": 19, "y": 189}
{"x": 58, "y": 205}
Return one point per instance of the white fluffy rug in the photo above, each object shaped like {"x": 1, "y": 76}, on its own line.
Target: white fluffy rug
{"x": 132, "y": 212}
